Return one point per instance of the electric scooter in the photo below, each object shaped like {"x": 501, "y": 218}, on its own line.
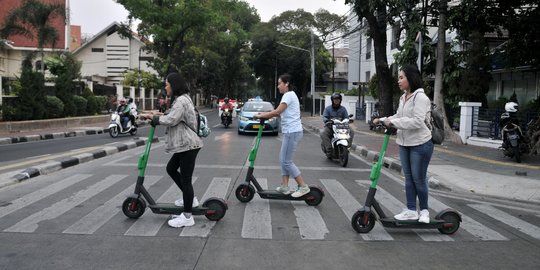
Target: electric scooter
{"x": 134, "y": 205}
{"x": 245, "y": 191}
{"x": 447, "y": 221}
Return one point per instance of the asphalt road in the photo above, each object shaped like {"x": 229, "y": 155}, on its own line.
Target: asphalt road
{"x": 71, "y": 219}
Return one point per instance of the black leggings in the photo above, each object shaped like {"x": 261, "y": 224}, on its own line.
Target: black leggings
{"x": 186, "y": 162}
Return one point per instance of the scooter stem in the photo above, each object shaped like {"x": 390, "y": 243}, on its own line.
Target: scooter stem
{"x": 253, "y": 152}
{"x": 376, "y": 170}
{"x": 143, "y": 159}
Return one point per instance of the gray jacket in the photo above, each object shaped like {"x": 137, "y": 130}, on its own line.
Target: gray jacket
{"x": 180, "y": 137}
{"x": 410, "y": 119}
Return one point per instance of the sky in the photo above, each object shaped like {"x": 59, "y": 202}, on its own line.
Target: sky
{"x": 94, "y": 15}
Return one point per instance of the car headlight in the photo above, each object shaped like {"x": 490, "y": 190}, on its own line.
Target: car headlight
{"x": 272, "y": 120}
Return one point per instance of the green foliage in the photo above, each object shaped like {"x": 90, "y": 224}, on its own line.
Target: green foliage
{"x": 92, "y": 102}
{"x": 148, "y": 80}
{"x": 80, "y": 105}
{"x": 66, "y": 68}
{"x": 55, "y": 107}
{"x": 31, "y": 102}
{"x": 101, "y": 103}
{"x": 499, "y": 103}
{"x": 373, "y": 87}
{"x": 533, "y": 106}
{"x": 9, "y": 112}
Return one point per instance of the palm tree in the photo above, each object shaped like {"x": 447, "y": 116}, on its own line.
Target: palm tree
{"x": 32, "y": 19}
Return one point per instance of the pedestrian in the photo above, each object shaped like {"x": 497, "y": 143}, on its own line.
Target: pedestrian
{"x": 414, "y": 140}
{"x": 291, "y": 128}
{"x": 183, "y": 142}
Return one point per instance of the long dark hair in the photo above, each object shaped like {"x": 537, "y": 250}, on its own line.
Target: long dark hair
{"x": 413, "y": 76}
{"x": 178, "y": 84}
{"x": 286, "y": 78}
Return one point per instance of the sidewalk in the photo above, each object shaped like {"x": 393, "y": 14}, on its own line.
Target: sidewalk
{"x": 461, "y": 168}
{"x": 465, "y": 169}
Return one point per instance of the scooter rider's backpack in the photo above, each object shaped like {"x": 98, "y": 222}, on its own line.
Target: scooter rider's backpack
{"x": 435, "y": 123}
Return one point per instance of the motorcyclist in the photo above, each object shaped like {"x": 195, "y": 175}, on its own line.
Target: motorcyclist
{"x": 132, "y": 111}
{"x": 333, "y": 111}
{"x": 123, "y": 111}
{"x": 226, "y": 105}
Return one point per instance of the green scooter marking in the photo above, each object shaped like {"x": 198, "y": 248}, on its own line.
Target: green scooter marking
{"x": 143, "y": 159}
{"x": 253, "y": 152}
{"x": 376, "y": 170}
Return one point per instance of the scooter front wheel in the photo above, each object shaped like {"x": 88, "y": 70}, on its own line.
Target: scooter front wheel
{"x": 452, "y": 221}
{"x": 245, "y": 192}
{"x": 314, "y": 197}
{"x": 133, "y": 207}
{"x": 343, "y": 155}
{"x": 363, "y": 222}
{"x": 114, "y": 131}
{"x": 133, "y": 131}
{"x": 216, "y": 209}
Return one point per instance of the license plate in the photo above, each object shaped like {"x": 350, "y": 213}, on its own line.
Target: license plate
{"x": 256, "y": 126}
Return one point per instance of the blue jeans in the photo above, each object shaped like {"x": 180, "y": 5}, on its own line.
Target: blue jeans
{"x": 286, "y": 154}
{"x": 414, "y": 162}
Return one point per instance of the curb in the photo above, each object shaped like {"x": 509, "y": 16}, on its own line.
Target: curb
{"x": 388, "y": 162}
{"x": 13, "y": 177}
{"x": 49, "y": 136}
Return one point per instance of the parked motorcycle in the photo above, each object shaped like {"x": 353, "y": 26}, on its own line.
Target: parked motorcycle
{"x": 116, "y": 128}
{"x": 514, "y": 143}
{"x": 226, "y": 117}
{"x": 341, "y": 140}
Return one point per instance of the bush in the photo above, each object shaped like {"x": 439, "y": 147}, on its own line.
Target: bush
{"x": 101, "y": 102}
{"x": 80, "y": 105}
{"x": 55, "y": 107}
{"x": 92, "y": 107}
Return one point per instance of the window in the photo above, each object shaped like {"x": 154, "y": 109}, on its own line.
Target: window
{"x": 368, "y": 48}
{"x": 97, "y": 49}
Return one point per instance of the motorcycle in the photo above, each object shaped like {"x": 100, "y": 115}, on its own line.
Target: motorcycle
{"x": 226, "y": 117}
{"x": 116, "y": 128}
{"x": 514, "y": 144}
{"x": 341, "y": 140}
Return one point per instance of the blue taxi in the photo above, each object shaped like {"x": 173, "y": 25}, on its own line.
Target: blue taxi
{"x": 246, "y": 124}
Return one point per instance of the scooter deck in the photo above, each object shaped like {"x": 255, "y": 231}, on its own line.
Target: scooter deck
{"x": 171, "y": 209}
{"x": 272, "y": 194}
{"x": 393, "y": 223}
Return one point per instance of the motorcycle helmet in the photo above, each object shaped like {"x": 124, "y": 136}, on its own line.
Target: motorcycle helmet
{"x": 130, "y": 100}
{"x": 336, "y": 96}
{"x": 511, "y": 107}
{"x": 226, "y": 100}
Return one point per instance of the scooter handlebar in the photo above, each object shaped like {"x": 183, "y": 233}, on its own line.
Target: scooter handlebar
{"x": 261, "y": 121}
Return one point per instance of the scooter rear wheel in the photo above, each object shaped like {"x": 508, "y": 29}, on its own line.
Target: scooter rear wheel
{"x": 314, "y": 197}
{"x": 245, "y": 192}
{"x": 133, "y": 207}
{"x": 449, "y": 217}
{"x": 133, "y": 131}
{"x": 363, "y": 222}
{"x": 216, "y": 209}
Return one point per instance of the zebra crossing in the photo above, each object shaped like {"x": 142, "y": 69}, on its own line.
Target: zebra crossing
{"x": 258, "y": 219}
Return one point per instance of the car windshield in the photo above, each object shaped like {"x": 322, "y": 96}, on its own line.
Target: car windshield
{"x": 258, "y": 107}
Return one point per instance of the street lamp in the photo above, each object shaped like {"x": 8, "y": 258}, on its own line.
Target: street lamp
{"x": 312, "y": 56}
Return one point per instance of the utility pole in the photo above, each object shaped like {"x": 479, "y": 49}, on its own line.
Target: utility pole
{"x": 333, "y": 68}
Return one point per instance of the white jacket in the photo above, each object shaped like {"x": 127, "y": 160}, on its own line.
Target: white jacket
{"x": 180, "y": 137}
{"x": 410, "y": 119}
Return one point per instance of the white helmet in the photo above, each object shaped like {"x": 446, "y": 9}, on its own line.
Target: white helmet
{"x": 511, "y": 107}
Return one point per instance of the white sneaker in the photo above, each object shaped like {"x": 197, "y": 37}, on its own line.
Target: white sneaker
{"x": 300, "y": 191}
{"x": 180, "y": 202}
{"x": 181, "y": 221}
{"x": 407, "y": 215}
{"x": 424, "y": 216}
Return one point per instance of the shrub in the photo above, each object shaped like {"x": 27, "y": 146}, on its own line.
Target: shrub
{"x": 55, "y": 107}
{"x": 101, "y": 103}
{"x": 91, "y": 106}
{"x": 80, "y": 105}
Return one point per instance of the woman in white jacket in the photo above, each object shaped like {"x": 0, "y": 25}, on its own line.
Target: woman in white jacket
{"x": 414, "y": 140}
{"x": 183, "y": 142}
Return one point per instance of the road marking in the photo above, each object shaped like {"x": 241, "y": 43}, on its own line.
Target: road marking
{"x": 30, "y": 223}
{"x": 149, "y": 223}
{"x": 218, "y": 188}
{"x": 237, "y": 167}
{"x": 257, "y": 220}
{"x": 310, "y": 221}
{"x": 42, "y": 193}
{"x": 349, "y": 206}
{"x": 396, "y": 206}
{"x": 509, "y": 220}
{"x": 90, "y": 223}
{"x": 48, "y": 157}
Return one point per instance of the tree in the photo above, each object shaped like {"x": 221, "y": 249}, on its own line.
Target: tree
{"x": 31, "y": 98}
{"x": 147, "y": 79}
{"x": 66, "y": 69}
{"x": 32, "y": 19}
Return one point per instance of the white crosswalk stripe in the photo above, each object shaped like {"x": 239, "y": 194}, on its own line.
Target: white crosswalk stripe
{"x": 30, "y": 224}
{"x": 395, "y": 206}
{"x": 90, "y": 223}
{"x": 349, "y": 205}
{"x": 42, "y": 193}
{"x": 257, "y": 220}
{"x": 310, "y": 221}
{"x": 509, "y": 220}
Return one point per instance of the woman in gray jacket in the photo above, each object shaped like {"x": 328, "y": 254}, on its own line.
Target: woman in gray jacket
{"x": 414, "y": 140}
{"x": 183, "y": 142}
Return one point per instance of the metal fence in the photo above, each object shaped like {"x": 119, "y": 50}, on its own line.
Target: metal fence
{"x": 486, "y": 122}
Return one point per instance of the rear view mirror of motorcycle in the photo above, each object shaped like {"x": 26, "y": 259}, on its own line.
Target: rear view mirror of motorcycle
{"x": 351, "y": 119}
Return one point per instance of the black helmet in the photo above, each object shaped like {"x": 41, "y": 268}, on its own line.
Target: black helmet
{"x": 336, "y": 96}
